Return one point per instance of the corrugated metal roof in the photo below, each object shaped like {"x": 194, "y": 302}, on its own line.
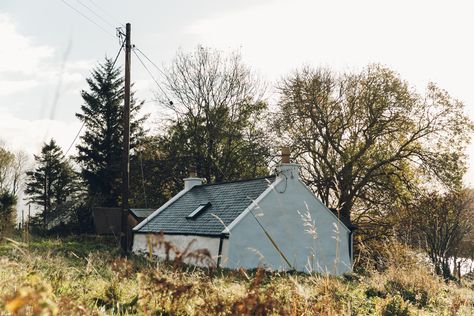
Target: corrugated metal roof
{"x": 227, "y": 201}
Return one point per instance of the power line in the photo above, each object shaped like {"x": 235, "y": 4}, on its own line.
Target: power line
{"x": 151, "y": 75}
{"x": 159, "y": 69}
{"x": 118, "y": 54}
{"x": 96, "y": 14}
{"x": 86, "y": 17}
{"x": 149, "y": 101}
{"x": 74, "y": 140}
{"x": 106, "y": 13}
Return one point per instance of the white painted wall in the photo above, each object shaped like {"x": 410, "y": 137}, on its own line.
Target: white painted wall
{"x": 249, "y": 247}
{"x": 141, "y": 245}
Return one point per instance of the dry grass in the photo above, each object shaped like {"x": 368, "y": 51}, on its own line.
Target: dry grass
{"x": 85, "y": 276}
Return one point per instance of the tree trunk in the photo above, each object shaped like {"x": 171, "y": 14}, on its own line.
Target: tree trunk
{"x": 455, "y": 267}
{"x": 438, "y": 269}
{"x": 345, "y": 216}
{"x": 445, "y": 269}
{"x": 458, "y": 269}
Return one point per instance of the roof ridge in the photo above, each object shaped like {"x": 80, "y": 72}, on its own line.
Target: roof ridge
{"x": 235, "y": 181}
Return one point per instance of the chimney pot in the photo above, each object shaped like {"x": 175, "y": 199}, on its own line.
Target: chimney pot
{"x": 192, "y": 179}
{"x": 287, "y": 169}
{"x": 285, "y": 155}
{"x": 192, "y": 173}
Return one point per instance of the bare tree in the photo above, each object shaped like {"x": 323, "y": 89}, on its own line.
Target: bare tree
{"x": 18, "y": 172}
{"x": 12, "y": 176}
{"x": 441, "y": 223}
{"x": 218, "y": 105}
{"x": 361, "y": 136}
{"x": 7, "y": 160}
{"x": 12, "y": 170}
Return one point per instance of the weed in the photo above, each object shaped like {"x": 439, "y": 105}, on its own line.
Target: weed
{"x": 86, "y": 277}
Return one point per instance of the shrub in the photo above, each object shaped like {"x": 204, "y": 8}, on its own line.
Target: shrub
{"x": 395, "y": 306}
{"x": 379, "y": 255}
{"x": 7, "y": 212}
{"x": 416, "y": 285}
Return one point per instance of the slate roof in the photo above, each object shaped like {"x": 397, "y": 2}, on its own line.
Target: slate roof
{"x": 228, "y": 200}
{"x": 141, "y": 213}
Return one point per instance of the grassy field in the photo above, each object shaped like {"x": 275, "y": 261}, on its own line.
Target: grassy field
{"x": 86, "y": 276}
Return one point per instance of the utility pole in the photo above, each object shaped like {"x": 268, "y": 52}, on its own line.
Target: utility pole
{"x": 126, "y": 141}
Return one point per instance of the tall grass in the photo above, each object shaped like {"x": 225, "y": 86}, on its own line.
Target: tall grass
{"x": 85, "y": 276}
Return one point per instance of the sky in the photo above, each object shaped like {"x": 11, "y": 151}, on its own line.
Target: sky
{"x": 48, "y": 49}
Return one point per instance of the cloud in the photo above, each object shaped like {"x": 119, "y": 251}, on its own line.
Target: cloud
{"x": 279, "y": 34}
{"x": 29, "y": 135}
{"x": 25, "y": 64}
{"x": 21, "y": 54}
{"x": 29, "y": 71}
{"x": 12, "y": 86}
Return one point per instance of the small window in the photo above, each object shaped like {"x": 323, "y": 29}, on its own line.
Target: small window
{"x": 198, "y": 210}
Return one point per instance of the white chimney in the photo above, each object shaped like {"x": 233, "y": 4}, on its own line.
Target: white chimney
{"x": 287, "y": 169}
{"x": 192, "y": 180}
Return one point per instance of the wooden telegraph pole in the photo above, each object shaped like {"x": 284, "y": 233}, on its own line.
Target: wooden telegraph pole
{"x": 126, "y": 142}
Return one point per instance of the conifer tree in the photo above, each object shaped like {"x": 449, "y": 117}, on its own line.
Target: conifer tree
{"x": 51, "y": 182}
{"x": 100, "y": 150}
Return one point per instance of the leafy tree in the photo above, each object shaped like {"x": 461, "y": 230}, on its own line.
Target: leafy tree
{"x": 155, "y": 178}
{"x": 52, "y": 182}
{"x": 100, "y": 150}
{"x": 7, "y": 159}
{"x": 7, "y": 210}
{"x": 440, "y": 224}
{"x": 218, "y": 106}
{"x": 464, "y": 250}
{"x": 11, "y": 180}
{"x": 367, "y": 138}
{"x": 7, "y": 198}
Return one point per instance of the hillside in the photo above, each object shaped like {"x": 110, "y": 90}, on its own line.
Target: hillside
{"x": 85, "y": 276}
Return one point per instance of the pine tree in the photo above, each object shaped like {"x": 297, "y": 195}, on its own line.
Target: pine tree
{"x": 52, "y": 182}
{"x": 100, "y": 150}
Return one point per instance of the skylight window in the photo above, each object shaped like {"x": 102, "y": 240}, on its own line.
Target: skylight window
{"x": 198, "y": 210}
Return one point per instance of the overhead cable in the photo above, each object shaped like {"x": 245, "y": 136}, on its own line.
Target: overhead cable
{"x": 86, "y": 17}
{"x": 95, "y": 13}
{"x": 152, "y": 77}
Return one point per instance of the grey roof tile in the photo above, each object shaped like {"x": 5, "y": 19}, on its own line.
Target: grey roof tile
{"x": 228, "y": 200}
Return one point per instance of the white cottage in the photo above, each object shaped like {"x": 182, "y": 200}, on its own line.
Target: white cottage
{"x": 265, "y": 222}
